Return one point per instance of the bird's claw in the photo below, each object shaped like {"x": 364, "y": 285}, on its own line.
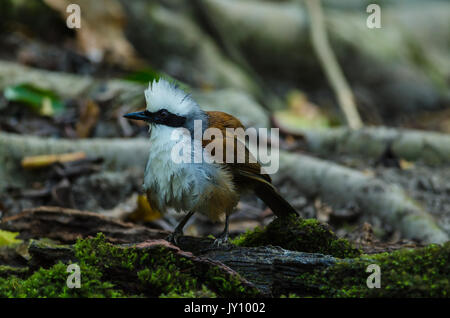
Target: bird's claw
{"x": 221, "y": 241}
{"x": 174, "y": 236}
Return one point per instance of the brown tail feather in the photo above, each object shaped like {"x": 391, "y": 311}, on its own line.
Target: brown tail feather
{"x": 279, "y": 206}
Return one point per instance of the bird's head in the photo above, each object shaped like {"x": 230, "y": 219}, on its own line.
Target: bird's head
{"x": 168, "y": 105}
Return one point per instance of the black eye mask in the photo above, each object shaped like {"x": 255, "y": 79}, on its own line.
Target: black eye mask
{"x": 161, "y": 117}
{"x": 164, "y": 117}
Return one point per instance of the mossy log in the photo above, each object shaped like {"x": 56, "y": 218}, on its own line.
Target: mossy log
{"x": 254, "y": 263}
{"x": 252, "y": 255}
{"x": 267, "y": 268}
{"x": 272, "y": 270}
{"x": 154, "y": 267}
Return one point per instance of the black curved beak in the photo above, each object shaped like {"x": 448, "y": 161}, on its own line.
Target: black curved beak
{"x": 144, "y": 115}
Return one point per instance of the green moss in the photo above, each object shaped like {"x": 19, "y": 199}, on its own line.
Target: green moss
{"x": 171, "y": 278}
{"x": 159, "y": 270}
{"x": 203, "y": 293}
{"x": 423, "y": 272}
{"x": 8, "y": 238}
{"x": 157, "y": 273}
{"x": 228, "y": 286}
{"x": 108, "y": 270}
{"x": 52, "y": 282}
{"x": 291, "y": 295}
{"x": 99, "y": 253}
{"x": 6, "y": 271}
{"x": 297, "y": 234}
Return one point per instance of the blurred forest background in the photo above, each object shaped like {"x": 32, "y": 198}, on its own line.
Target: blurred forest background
{"x": 385, "y": 183}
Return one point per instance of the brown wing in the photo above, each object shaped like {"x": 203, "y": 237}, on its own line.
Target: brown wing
{"x": 248, "y": 175}
{"x": 243, "y": 173}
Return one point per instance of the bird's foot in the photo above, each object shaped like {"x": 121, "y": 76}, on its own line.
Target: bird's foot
{"x": 174, "y": 236}
{"x": 221, "y": 241}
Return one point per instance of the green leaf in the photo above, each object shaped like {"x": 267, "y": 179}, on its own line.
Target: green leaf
{"x": 45, "y": 102}
{"x": 8, "y": 238}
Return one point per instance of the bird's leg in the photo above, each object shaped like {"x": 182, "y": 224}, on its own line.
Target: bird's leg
{"x": 173, "y": 237}
{"x": 222, "y": 239}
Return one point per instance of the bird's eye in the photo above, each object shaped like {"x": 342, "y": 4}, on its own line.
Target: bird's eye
{"x": 164, "y": 113}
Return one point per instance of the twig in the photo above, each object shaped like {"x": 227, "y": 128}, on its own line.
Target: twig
{"x": 330, "y": 65}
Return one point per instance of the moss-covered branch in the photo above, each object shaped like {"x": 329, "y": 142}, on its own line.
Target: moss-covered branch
{"x": 422, "y": 272}
{"x": 149, "y": 269}
{"x": 296, "y": 234}
{"x": 288, "y": 256}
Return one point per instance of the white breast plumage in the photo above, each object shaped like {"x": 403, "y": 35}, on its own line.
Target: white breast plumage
{"x": 186, "y": 186}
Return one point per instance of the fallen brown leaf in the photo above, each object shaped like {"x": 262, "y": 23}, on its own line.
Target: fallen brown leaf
{"x": 88, "y": 119}
{"x": 144, "y": 212}
{"x": 41, "y": 161}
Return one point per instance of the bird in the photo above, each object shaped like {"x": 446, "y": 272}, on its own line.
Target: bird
{"x": 210, "y": 188}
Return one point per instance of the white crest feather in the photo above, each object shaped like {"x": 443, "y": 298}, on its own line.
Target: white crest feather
{"x": 164, "y": 95}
